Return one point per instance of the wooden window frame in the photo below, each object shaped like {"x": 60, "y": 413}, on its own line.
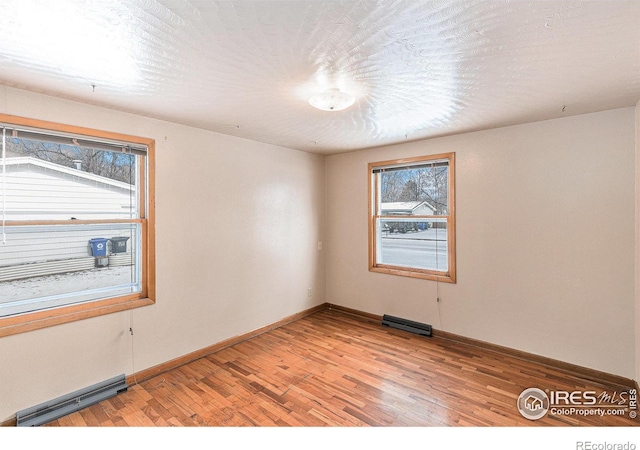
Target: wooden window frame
{"x": 21, "y": 323}
{"x": 448, "y": 276}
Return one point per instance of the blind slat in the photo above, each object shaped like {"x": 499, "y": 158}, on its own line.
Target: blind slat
{"x": 73, "y": 140}
{"x": 393, "y": 168}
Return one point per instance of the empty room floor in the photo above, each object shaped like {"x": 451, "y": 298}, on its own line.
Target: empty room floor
{"x": 336, "y": 369}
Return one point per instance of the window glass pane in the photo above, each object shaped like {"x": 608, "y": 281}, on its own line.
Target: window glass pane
{"x": 412, "y": 217}
{"x": 52, "y": 181}
{"x": 415, "y": 191}
{"x": 411, "y": 243}
{"x": 56, "y": 265}
{"x": 76, "y": 223}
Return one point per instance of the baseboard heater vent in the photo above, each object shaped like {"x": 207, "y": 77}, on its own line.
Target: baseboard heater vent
{"x": 407, "y": 325}
{"x": 67, "y": 404}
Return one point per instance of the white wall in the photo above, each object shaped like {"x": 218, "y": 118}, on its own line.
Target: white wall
{"x": 545, "y": 240}
{"x": 237, "y": 229}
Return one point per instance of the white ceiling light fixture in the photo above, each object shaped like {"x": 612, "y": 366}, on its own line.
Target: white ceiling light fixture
{"x": 332, "y": 100}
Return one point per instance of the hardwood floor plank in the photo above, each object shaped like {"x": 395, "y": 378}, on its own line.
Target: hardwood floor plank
{"x": 334, "y": 369}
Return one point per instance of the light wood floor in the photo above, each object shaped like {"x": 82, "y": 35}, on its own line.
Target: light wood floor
{"x": 335, "y": 369}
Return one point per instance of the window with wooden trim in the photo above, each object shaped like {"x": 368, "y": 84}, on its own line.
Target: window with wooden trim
{"x": 77, "y": 225}
{"x": 412, "y": 217}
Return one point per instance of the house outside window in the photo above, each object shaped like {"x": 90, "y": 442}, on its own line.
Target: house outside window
{"x": 77, "y": 229}
{"x": 412, "y": 217}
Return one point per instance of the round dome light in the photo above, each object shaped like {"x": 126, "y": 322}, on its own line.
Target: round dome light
{"x": 332, "y": 100}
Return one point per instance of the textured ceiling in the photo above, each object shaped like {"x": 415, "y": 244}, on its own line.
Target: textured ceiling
{"x": 418, "y": 69}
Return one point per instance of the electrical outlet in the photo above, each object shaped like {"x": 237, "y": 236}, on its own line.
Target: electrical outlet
{"x": 319, "y": 245}
{"x": 310, "y": 292}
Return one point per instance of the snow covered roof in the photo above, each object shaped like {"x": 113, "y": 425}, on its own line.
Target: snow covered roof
{"x": 15, "y": 161}
{"x": 403, "y": 207}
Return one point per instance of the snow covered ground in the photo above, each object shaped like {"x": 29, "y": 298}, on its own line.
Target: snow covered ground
{"x": 35, "y": 287}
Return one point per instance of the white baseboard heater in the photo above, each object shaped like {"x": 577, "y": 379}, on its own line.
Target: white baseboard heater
{"x": 422, "y": 329}
{"x": 67, "y": 404}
